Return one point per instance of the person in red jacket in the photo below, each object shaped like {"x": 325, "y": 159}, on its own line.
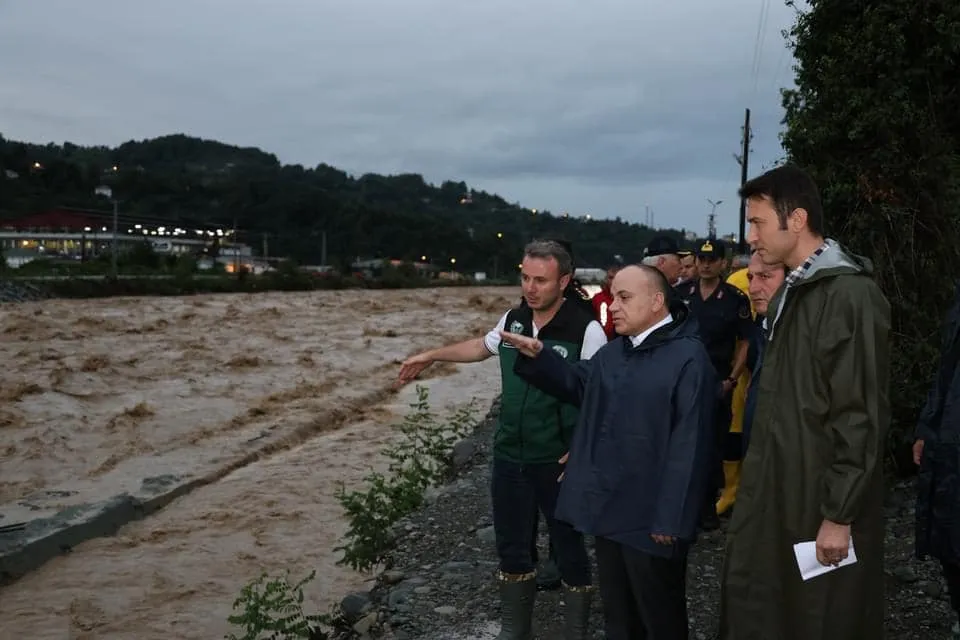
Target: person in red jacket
{"x": 601, "y": 304}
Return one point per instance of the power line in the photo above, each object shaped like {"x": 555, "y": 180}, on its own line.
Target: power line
{"x": 759, "y": 42}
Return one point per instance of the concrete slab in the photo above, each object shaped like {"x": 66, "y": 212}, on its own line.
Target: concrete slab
{"x": 49, "y": 523}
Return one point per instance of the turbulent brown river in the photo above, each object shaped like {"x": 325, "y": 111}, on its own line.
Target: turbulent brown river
{"x": 100, "y": 393}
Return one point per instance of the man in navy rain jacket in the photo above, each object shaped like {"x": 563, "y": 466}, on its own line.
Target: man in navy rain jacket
{"x": 937, "y": 450}
{"x": 635, "y": 478}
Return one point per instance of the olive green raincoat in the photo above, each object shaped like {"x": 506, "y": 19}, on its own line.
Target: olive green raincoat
{"x": 816, "y": 453}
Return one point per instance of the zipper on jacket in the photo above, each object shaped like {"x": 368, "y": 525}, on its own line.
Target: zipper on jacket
{"x": 563, "y": 437}
{"x": 523, "y": 408}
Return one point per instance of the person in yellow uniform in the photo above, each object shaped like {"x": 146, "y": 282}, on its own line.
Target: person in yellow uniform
{"x": 731, "y": 467}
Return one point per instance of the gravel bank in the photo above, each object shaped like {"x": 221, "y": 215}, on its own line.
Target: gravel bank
{"x": 440, "y": 587}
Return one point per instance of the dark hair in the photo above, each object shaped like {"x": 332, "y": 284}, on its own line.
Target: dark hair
{"x": 546, "y": 249}
{"x": 659, "y": 280}
{"x": 789, "y": 188}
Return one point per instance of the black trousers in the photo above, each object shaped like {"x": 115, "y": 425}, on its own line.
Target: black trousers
{"x": 715, "y": 480}
{"x": 644, "y": 596}
{"x": 518, "y": 490}
{"x": 534, "y": 552}
{"x": 951, "y": 573}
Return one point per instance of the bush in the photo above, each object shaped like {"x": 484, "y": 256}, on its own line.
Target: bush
{"x": 272, "y": 608}
{"x": 420, "y": 459}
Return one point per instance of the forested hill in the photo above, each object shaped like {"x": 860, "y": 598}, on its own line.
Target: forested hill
{"x": 180, "y": 178}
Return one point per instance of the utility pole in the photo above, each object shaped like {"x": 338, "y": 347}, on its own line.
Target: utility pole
{"x": 113, "y": 252}
{"x": 744, "y": 159}
{"x": 236, "y": 250}
{"x": 648, "y": 216}
{"x": 266, "y": 253}
{"x": 105, "y": 191}
{"x": 323, "y": 248}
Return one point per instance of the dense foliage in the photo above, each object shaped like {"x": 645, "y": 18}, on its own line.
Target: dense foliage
{"x": 420, "y": 459}
{"x": 875, "y": 116}
{"x": 291, "y": 207}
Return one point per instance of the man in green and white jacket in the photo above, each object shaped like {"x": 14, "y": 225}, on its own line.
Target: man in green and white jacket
{"x": 532, "y": 435}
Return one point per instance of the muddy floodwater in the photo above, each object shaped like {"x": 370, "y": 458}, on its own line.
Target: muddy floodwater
{"x": 99, "y": 393}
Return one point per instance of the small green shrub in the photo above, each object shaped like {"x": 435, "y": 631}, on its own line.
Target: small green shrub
{"x": 420, "y": 459}
{"x": 272, "y": 609}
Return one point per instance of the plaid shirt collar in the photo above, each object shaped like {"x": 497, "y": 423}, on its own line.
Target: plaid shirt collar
{"x": 795, "y": 276}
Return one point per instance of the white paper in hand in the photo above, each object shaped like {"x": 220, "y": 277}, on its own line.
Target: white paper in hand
{"x": 810, "y": 567}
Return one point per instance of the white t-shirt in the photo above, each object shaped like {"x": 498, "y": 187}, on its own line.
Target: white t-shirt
{"x": 593, "y": 338}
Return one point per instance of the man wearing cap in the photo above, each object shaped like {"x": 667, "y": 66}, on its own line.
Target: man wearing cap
{"x": 724, "y": 316}
{"x": 663, "y": 253}
{"x": 688, "y": 266}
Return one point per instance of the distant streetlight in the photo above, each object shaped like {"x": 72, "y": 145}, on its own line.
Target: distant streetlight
{"x": 423, "y": 258}
{"x": 453, "y": 261}
{"x": 499, "y": 235}
{"x": 712, "y": 221}
{"x": 107, "y": 192}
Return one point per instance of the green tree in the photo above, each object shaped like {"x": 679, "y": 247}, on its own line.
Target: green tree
{"x": 179, "y": 180}
{"x": 875, "y": 116}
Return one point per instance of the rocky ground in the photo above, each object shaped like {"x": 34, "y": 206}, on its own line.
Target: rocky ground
{"x": 439, "y": 585}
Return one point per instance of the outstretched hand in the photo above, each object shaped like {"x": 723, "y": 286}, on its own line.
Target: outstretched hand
{"x": 529, "y": 347}
{"x": 413, "y": 367}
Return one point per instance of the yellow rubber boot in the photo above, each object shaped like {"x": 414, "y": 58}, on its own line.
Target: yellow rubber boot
{"x": 731, "y": 476}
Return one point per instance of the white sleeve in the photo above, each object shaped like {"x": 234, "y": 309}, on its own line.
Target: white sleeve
{"x": 492, "y": 340}
{"x": 593, "y": 338}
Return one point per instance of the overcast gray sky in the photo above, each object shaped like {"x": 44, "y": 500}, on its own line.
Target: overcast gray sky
{"x": 600, "y": 106}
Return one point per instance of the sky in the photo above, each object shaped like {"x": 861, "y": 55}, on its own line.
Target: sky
{"x": 606, "y": 107}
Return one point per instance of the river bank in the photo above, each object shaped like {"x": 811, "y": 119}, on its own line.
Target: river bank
{"x": 440, "y": 583}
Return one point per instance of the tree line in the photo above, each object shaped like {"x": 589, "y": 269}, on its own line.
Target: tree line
{"x": 294, "y": 211}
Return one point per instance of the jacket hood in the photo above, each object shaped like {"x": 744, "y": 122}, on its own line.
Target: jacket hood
{"x": 683, "y": 325}
{"x": 835, "y": 260}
